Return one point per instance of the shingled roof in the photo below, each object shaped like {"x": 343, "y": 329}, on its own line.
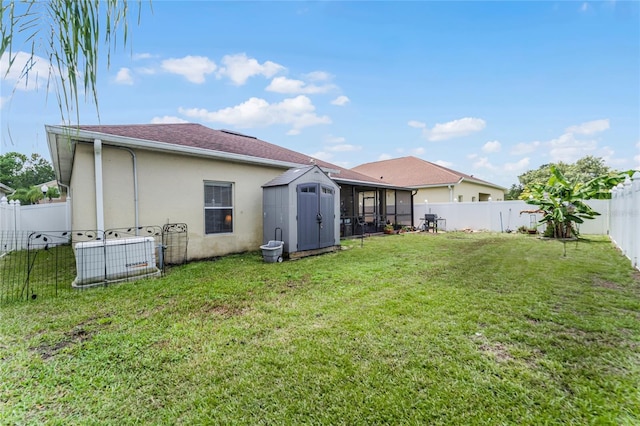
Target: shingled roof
{"x": 197, "y": 138}
{"x": 414, "y": 172}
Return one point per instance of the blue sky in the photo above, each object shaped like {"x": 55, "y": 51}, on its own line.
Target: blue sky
{"x": 491, "y": 89}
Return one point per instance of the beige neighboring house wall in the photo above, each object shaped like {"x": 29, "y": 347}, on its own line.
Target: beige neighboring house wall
{"x": 432, "y": 182}
{"x": 463, "y": 192}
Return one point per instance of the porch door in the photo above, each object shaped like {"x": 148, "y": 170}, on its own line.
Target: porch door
{"x": 316, "y": 218}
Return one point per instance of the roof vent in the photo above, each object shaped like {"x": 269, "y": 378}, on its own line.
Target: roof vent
{"x": 231, "y": 132}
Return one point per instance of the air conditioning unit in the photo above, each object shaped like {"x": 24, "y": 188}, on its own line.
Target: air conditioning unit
{"x": 100, "y": 262}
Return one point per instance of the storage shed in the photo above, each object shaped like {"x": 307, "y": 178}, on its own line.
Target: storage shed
{"x": 302, "y": 208}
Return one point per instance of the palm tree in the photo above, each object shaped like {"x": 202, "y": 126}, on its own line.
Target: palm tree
{"x": 27, "y": 196}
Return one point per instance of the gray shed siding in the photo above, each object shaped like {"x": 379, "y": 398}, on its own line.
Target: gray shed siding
{"x": 280, "y": 207}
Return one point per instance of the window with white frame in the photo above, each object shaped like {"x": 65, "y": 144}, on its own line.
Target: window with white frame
{"x": 218, "y": 207}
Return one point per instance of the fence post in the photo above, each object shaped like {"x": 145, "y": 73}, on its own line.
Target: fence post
{"x": 68, "y": 212}
{"x": 4, "y": 214}
{"x": 634, "y": 232}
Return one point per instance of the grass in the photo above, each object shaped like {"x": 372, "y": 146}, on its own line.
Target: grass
{"x": 412, "y": 328}
{"x": 37, "y": 273}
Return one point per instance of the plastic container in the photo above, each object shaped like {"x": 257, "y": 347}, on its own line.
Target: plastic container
{"x": 272, "y": 251}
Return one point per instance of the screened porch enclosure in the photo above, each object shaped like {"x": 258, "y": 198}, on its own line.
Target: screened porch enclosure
{"x": 368, "y": 209}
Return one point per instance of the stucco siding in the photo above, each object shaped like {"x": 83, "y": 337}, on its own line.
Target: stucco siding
{"x": 468, "y": 190}
{"x": 474, "y": 192}
{"x": 171, "y": 190}
{"x": 83, "y": 184}
{"x": 433, "y": 195}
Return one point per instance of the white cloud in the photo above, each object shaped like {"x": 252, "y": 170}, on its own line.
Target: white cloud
{"x": 167, "y": 119}
{"x": 295, "y": 87}
{"x": 296, "y": 112}
{"x": 483, "y": 163}
{"x": 525, "y": 148}
{"x": 584, "y": 7}
{"x": 492, "y": 146}
{"x": 418, "y": 151}
{"x": 344, "y": 148}
{"x": 124, "y": 76}
{"x": 417, "y": 124}
{"x": 568, "y": 149}
{"x": 193, "y": 68}
{"x": 383, "y": 157}
{"x": 139, "y": 56}
{"x": 318, "y": 76}
{"x": 454, "y": 129}
{"x": 518, "y": 166}
{"x": 145, "y": 70}
{"x": 341, "y": 101}
{"x": 3, "y": 101}
{"x": 334, "y": 139}
{"x": 39, "y": 70}
{"x": 589, "y": 127}
{"x": 343, "y": 164}
{"x": 321, "y": 155}
{"x": 443, "y": 163}
{"x": 239, "y": 68}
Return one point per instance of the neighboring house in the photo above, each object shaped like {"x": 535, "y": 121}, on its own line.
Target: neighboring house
{"x": 212, "y": 180}
{"x": 61, "y": 190}
{"x": 5, "y": 191}
{"x": 432, "y": 182}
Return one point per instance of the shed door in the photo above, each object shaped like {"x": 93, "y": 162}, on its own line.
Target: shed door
{"x": 315, "y": 216}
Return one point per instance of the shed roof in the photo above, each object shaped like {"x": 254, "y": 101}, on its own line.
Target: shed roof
{"x": 416, "y": 173}
{"x": 289, "y": 176}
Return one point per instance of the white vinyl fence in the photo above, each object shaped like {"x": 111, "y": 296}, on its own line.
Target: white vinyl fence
{"x": 625, "y": 218}
{"x": 502, "y": 216}
{"x": 17, "y": 221}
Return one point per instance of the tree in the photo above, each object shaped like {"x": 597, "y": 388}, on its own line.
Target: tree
{"x": 27, "y": 196}
{"x": 582, "y": 170}
{"x": 514, "y": 192}
{"x": 11, "y": 164}
{"x": 562, "y": 201}
{"x": 36, "y": 170}
{"x": 67, "y": 33}
{"x": 19, "y": 171}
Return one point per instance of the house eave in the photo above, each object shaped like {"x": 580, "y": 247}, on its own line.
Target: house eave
{"x": 356, "y": 182}
{"x": 479, "y": 182}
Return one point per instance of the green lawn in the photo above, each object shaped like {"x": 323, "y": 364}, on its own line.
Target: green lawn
{"x": 412, "y": 328}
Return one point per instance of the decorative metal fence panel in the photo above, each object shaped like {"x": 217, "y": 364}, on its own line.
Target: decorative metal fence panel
{"x": 175, "y": 240}
{"x": 45, "y": 264}
{"x": 43, "y": 269}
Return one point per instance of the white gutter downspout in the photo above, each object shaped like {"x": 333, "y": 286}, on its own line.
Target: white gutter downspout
{"x": 67, "y": 203}
{"x": 135, "y": 186}
{"x": 97, "y": 157}
{"x": 450, "y": 193}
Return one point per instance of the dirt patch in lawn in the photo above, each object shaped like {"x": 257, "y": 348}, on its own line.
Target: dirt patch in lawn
{"x": 222, "y": 310}
{"x": 71, "y": 338}
{"x": 79, "y": 334}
